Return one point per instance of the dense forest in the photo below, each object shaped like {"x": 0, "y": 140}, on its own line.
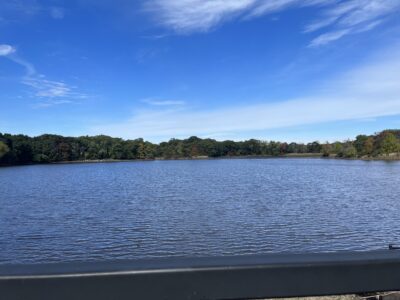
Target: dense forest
{"x": 22, "y": 149}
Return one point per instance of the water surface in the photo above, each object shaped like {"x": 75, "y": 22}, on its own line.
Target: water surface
{"x": 128, "y": 210}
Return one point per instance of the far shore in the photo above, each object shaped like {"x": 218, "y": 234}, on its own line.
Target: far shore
{"x": 291, "y": 155}
{"x": 294, "y": 155}
{"x": 285, "y": 156}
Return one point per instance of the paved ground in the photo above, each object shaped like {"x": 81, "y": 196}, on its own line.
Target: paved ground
{"x": 344, "y": 297}
{"x": 381, "y": 296}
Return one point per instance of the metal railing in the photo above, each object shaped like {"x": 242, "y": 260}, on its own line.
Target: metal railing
{"x": 240, "y": 277}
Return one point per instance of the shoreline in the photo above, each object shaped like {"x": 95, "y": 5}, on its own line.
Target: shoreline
{"x": 48, "y": 149}
{"x": 286, "y": 156}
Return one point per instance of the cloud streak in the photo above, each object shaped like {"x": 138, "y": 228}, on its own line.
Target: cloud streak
{"x": 49, "y": 92}
{"x": 157, "y": 102}
{"x": 351, "y": 17}
{"x": 338, "y": 18}
{"x": 369, "y": 91}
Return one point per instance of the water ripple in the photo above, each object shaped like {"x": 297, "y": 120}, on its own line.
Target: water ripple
{"x": 129, "y": 210}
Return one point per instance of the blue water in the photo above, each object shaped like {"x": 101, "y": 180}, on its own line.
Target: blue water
{"x": 106, "y": 211}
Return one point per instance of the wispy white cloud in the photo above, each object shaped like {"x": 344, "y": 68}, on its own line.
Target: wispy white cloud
{"x": 328, "y": 37}
{"x": 196, "y": 15}
{"x": 267, "y": 7}
{"x": 9, "y": 52}
{"x": 351, "y": 17}
{"x": 157, "y": 102}
{"x": 6, "y": 50}
{"x": 29, "y": 68}
{"x": 49, "y": 92}
{"x": 45, "y": 88}
{"x": 338, "y": 17}
{"x": 369, "y": 91}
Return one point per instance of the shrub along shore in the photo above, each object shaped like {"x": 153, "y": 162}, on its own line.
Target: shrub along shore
{"x": 47, "y": 148}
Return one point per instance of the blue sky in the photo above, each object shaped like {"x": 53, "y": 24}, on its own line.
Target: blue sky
{"x": 286, "y": 70}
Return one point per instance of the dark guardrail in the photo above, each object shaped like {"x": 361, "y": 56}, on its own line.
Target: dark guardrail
{"x": 240, "y": 277}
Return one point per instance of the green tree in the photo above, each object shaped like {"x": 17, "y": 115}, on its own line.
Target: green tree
{"x": 326, "y": 149}
{"x": 274, "y": 148}
{"x": 314, "y": 147}
{"x": 389, "y": 144}
{"x": 117, "y": 151}
{"x": 23, "y": 153}
{"x": 368, "y": 148}
{"x": 65, "y": 151}
{"x": 3, "y": 149}
{"x": 337, "y": 148}
{"x": 349, "y": 151}
{"x": 21, "y": 149}
{"x": 359, "y": 144}
{"x": 41, "y": 158}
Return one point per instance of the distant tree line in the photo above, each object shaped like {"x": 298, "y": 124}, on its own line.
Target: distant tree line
{"x": 22, "y": 149}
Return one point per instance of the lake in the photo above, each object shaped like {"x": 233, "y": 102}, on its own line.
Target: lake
{"x": 130, "y": 210}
